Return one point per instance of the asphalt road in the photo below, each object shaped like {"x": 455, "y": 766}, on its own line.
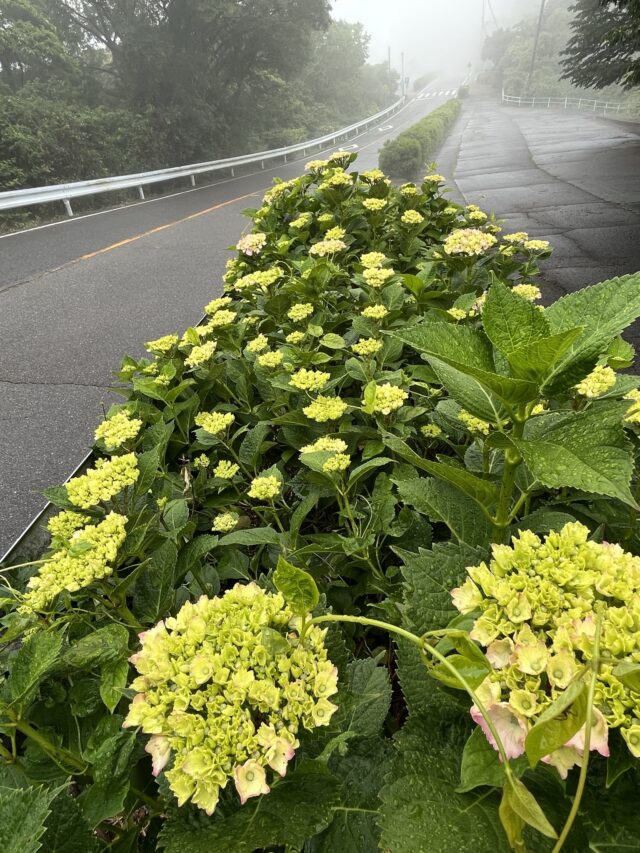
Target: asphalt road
{"x": 78, "y": 294}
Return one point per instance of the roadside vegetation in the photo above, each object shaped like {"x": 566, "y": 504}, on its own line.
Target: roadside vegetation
{"x": 406, "y": 154}
{"x": 89, "y": 89}
{"x": 355, "y": 564}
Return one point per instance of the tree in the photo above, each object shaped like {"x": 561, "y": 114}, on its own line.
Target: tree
{"x": 605, "y": 44}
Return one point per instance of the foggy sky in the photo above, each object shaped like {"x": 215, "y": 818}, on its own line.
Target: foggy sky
{"x": 434, "y": 34}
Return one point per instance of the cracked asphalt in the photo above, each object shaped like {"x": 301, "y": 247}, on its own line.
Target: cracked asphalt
{"x": 561, "y": 175}
{"x": 78, "y": 294}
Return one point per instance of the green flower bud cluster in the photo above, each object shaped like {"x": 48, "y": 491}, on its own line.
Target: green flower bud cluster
{"x": 118, "y": 429}
{"x": 224, "y": 688}
{"x": 468, "y": 241}
{"x": 63, "y": 525}
{"x": 88, "y": 557}
{"x": 105, "y": 481}
{"x": 537, "y": 601}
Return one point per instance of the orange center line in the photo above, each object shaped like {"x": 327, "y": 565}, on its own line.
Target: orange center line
{"x": 169, "y": 225}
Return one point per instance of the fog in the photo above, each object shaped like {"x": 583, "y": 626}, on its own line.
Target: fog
{"x": 434, "y": 34}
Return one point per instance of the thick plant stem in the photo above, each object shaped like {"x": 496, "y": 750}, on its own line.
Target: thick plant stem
{"x": 503, "y": 512}
{"x": 582, "y": 779}
{"x": 374, "y": 623}
{"x": 59, "y": 754}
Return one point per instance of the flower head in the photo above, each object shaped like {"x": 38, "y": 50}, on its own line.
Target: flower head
{"x": 309, "y": 380}
{"x": 374, "y": 312}
{"x": 265, "y": 488}
{"x": 89, "y": 557}
{"x": 226, "y": 470}
{"x": 371, "y": 260}
{"x": 412, "y": 217}
{"x": 597, "y": 383}
{"x": 105, "y": 481}
{"x": 336, "y": 445}
{"x": 217, "y": 304}
{"x": 528, "y": 291}
{"x": 374, "y": 204}
{"x": 258, "y": 344}
{"x": 214, "y": 422}
{"x": 219, "y": 702}
{"x": 117, "y": 430}
{"x": 388, "y": 398}
{"x": 327, "y": 247}
{"x": 366, "y": 347}
{"x": 377, "y": 277}
{"x": 200, "y": 354}
{"x": 468, "y": 241}
{"x": 474, "y": 424}
{"x": 225, "y": 522}
{"x": 300, "y": 311}
{"x": 162, "y": 346}
{"x": 325, "y": 409}
{"x": 270, "y": 360}
{"x": 252, "y": 244}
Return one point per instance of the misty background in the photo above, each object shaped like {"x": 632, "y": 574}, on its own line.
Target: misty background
{"x": 434, "y": 34}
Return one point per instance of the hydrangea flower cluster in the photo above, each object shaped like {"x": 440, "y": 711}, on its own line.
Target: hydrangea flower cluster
{"x": 325, "y": 409}
{"x": 216, "y": 304}
{"x": 117, "y": 430}
{"x": 468, "y": 241}
{"x": 377, "y": 276}
{"x": 474, "y": 424}
{"x": 528, "y": 291}
{"x": 598, "y": 382}
{"x": 214, "y": 422}
{"x": 262, "y": 279}
{"x": 105, "y": 481}
{"x": 388, "y": 398}
{"x": 374, "y": 204}
{"x": 412, "y": 217}
{"x": 218, "y": 700}
{"x": 300, "y": 311}
{"x": 265, "y": 488}
{"x": 327, "y": 247}
{"x": 374, "y": 312}
{"x": 65, "y": 523}
{"x": 200, "y": 354}
{"x": 163, "y": 345}
{"x": 270, "y": 360}
{"x": 258, "y": 344}
{"x": 309, "y": 380}
{"x": 226, "y": 470}
{"x": 89, "y": 557}
{"x": 536, "y": 602}
{"x": 367, "y": 347}
{"x": 252, "y": 244}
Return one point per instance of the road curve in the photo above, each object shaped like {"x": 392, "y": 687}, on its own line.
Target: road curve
{"x": 77, "y": 294}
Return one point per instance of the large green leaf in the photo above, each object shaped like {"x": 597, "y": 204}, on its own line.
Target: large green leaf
{"x": 23, "y": 812}
{"x": 360, "y": 772}
{"x": 483, "y": 492}
{"x": 604, "y": 310}
{"x": 98, "y": 647}
{"x": 297, "y": 586}
{"x": 36, "y": 657}
{"x": 510, "y": 321}
{"x": 535, "y": 361}
{"x": 421, "y": 810}
{"x": 441, "y": 501}
{"x": 67, "y": 830}
{"x": 587, "y": 450}
{"x": 470, "y": 353}
{"x": 299, "y": 806}
{"x": 154, "y": 588}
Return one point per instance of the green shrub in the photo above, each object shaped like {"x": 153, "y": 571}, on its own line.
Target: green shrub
{"x": 367, "y": 415}
{"x": 401, "y": 158}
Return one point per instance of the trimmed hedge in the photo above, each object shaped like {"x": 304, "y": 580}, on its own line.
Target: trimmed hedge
{"x": 405, "y": 155}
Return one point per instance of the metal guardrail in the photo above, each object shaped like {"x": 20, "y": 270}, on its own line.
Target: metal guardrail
{"x": 607, "y": 107}
{"x": 66, "y": 192}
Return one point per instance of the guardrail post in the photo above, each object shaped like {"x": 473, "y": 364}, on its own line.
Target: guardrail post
{"x": 285, "y": 159}
{"x": 262, "y": 163}
{"x": 565, "y": 102}
{"x": 67, "y": 206}
{"x": 233, "y": 172}
{"x": 141, "y": 193}
{"x": 193, "y": 180}
{"x": 580, "y": 104}
{"x": 548, "y": 103}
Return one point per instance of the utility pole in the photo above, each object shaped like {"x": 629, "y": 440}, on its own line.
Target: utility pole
{"x": 534, "y": 52}
{"x": 389, "y": 55}
{"x": 403, "y": 83}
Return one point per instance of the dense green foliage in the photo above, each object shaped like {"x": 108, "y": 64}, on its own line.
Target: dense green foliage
{"x": 510, "y": 52}
{"x": 370, "y": 409}
{"x": 604, "y": 47}
{"x": 409, "y": 152}
{"x": 90, "y": 88}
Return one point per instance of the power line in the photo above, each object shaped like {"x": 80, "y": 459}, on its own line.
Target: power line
{"x": 534, "y": 52}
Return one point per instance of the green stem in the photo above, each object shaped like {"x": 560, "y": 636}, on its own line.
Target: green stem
{"x": 582, "y": 779}
{"x": 58, "y": 753}
{"x": 512, "y": 460}
{"x": 374, "y": 623}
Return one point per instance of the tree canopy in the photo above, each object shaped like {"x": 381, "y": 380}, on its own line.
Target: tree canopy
{"x": 604, "y": 47}
{"x": 93, "y": 87}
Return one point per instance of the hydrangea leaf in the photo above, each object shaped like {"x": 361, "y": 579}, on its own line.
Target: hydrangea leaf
{"x": 480, "y": 764}
{"x": 354, "y": 828}
{"x": 67, "y": 830}
{"x": 510, "y": 321}
{"x": 255, "y": 536}
{"x": 36, "y": 657}
{"x": 441, "y": 501}
{"x": 298, "y": 807}
{"x": 558, "y": 723}
{"x": 297, "y": 586}
{"x": 98, "y": 647}
{"x": 604, "y": 310}
{"x": 587, "y": 450}
{"x": 535, "y": 360}
{"x": 421, "y": 811}
{"x": 154, "y": 589}
{"x": 23, "y": 812}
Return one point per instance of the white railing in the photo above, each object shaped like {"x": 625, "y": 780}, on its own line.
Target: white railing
{"x": 65, "y": 192}
{"x": 606, "y": 107}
